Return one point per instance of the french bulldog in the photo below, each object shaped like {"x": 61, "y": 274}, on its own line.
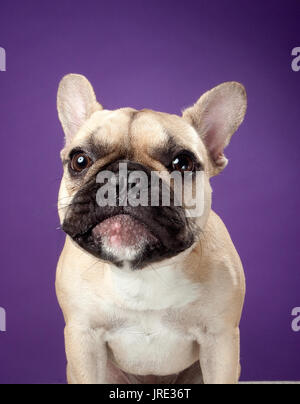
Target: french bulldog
{"x": 150, "y": 294}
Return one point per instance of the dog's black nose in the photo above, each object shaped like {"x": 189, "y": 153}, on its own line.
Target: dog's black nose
{"x": 129, "y": 173}
{"x": 127, "y": 165}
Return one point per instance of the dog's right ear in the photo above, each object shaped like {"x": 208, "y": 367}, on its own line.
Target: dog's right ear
{"x": 76, "y": 102}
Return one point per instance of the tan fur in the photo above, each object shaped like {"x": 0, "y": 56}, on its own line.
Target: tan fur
{"x": 116, "y": 329}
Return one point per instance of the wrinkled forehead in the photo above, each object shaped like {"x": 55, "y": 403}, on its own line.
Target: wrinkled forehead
{"x": 139, "y": 133}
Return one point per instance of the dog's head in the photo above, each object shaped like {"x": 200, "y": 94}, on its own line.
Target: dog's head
{"x": 136, "y": 183}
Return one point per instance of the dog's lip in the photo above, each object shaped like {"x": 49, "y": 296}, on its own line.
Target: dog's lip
{"x": 123, "y": 229}
{"x": 88, "y": 233}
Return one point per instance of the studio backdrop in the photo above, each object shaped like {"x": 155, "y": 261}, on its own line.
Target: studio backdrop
{"x": 160, "y": 55}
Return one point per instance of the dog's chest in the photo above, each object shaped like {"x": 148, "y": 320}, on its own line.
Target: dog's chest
{"x": 160, "y": 289}
{"x": 146, "y": 335}
{"x": 149, "y": 344}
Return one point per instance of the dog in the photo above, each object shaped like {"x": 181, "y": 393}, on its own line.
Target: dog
{"x": 150, "y": 294}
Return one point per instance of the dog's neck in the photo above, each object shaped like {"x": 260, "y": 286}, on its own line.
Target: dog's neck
{"x": 159, "y": 287}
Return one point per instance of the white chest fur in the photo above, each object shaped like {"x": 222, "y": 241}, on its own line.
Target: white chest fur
{"x": 153, "y": 289}
{"x": 144, "y": 342}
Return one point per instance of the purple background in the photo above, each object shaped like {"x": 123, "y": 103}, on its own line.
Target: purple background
{"x": 161, "y": 55}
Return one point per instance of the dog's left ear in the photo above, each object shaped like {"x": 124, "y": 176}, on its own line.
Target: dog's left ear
{"x": 76, "y": 102}
{"x": 216, "y": 116}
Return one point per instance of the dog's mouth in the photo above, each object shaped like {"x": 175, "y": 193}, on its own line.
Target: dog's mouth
{"x": 122, "y": 231}
{"x": 120, "y": 238}
{"x": 130, "y": 236}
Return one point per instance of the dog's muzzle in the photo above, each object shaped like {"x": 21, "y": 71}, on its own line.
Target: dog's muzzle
{"x": 142, "y": 234}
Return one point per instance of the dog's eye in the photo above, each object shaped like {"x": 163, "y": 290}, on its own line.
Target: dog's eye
{"x": 183, "y": 163}
{"x": 80, "y": 161}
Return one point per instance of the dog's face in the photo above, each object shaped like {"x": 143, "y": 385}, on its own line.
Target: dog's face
{"x": 154, "y": 147}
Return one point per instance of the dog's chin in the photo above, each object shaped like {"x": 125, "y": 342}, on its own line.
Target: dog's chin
{"x": 123, "y": 238}
{"x": 123, "y": 241}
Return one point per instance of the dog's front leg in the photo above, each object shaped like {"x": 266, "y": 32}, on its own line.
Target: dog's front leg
{"x": 86, "y": 354}
{"x": 220, "y": 357}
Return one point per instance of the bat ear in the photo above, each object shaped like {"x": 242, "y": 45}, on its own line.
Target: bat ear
{"x": 76, "y": 102}
{"x": 216, "y": 116}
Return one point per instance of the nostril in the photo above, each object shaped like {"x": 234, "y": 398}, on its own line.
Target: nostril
{"x": 132, "y": 184}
